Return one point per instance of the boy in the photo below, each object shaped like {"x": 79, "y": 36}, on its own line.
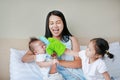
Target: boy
{"x": 44, "y": 60}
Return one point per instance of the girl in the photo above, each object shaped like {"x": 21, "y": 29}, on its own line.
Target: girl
{"x": 92, "y": 64}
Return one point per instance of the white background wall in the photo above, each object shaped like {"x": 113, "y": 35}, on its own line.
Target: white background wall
{"x": 85, "y": 18}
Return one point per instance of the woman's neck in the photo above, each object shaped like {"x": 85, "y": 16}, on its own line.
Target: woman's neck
{"x": 58, "y": 37}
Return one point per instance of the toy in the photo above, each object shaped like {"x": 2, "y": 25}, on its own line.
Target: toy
{"x": 53, "y": 45}
{"x": 43, "y": 39}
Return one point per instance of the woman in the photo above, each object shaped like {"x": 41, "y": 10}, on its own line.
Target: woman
{"x": 68, "y": 65}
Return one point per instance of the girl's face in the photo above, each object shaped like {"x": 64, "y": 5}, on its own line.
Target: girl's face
{"x": 38, "y": 47}
{"x": 56, "y": 25}
{"x": 90, "y": 51}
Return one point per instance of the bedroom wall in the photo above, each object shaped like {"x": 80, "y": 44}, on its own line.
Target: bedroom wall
{"x": 26, "y": 18}
{"x": 21, "y": 19}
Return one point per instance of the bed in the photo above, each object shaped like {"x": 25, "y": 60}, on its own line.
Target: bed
{"x": 29, "y": 71}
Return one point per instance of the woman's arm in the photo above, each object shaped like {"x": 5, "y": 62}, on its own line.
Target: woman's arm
{"x": 53, "y": 69}
{"x": 77, "y": 61}
{"x": 28, "y": 57}
{"x": 106, "y": 76}
{"x": 75, "y": 44}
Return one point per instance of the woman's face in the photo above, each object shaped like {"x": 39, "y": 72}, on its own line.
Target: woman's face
{"x": 56, "y": 25}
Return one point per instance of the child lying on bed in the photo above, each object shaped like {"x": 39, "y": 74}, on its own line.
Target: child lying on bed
{"x": 44, "y": 60}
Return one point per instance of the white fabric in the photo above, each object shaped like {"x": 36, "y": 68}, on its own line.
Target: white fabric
{"x": 83, "y": 47}
{"x": 114, "y": 64}
{"x": 66, "y": 56}
{"x": 55, "y": 76}
{"x": 92, "y": 71}
{"x": 43, "y": 70}
{"x": 40, "y": 57}
{"x": 20, "y": 70}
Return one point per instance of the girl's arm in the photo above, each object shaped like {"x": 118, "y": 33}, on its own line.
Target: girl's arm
{"x": 106, "y": 76}
{"x": 28, "y": 57}
{"x": 71, "y": 52}
{"x": 77, "y": 61}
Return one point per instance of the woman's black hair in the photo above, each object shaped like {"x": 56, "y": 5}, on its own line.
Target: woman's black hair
{"x": 102, "y": 47}
{"x": 65, "y": 33}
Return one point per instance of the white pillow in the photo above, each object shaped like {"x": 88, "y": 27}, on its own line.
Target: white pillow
{"x": 20, "y": 70}
{"x": 83, "y": 47}
{"x": 114, "y": 64}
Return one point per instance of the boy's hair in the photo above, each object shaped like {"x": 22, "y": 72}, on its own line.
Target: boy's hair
{"x": 32, "y": 39}
{"x": 101, "y": 47}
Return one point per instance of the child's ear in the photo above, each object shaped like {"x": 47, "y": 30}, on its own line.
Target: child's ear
{"x": 100, "y": 56}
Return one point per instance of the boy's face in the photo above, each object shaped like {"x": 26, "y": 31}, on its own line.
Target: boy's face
{"x": 38, "y": 47}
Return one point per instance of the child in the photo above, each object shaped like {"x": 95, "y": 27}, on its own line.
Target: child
{"x": 92, "y": 64}
{"x": 43, "y": 60}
